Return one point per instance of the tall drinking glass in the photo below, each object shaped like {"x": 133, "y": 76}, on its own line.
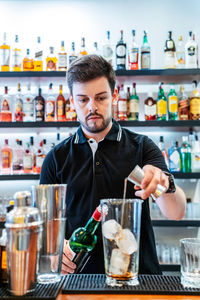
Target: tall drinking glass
{"x": 51, "y": 202}
{"x": 121, "y": 220}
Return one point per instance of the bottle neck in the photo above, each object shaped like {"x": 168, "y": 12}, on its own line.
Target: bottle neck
{"x": 93, "y": 222}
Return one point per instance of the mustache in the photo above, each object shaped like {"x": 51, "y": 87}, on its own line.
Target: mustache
{"x": 93, "y": 114}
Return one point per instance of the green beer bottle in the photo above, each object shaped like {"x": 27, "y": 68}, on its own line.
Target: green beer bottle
{"x": 172, "y": 103}
{"x": 185, "y": 155}
{"x": 83, "y": 240}
{"x": 161, "y": 104}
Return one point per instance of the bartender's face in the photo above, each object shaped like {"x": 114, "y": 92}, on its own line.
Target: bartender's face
{"x": 92, "y": 101}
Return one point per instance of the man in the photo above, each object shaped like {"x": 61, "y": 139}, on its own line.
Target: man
{"x": 95, "y": 161}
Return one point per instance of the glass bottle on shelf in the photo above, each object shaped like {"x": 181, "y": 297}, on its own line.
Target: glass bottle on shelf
{"x": 120, "y": 52}
{"x": 60, "y": 105}
{"x": 33, "y": 151}
{"x": 122, "y": 104}
{"x": 133, "y": 55}
{"x": 145, "y": 53}
{"x": 18, "y": 112}
{"x": 5, "y": 55}
{"x": 183, "y": 105}
{"x": 50, "y": 106}
{"x": 3, "y": 257}
{"x": 5, "y": 113}
{"x": 180, "y": 53}
{"x": 185, "y": 152}
{"x": 172, "y": 103}
{"x": 38, "y": 60}
{"x": 28, "y": 160}
{"x": 72, "y": 55}
{"x": 39, "y": 158}
{"x": 161, "y": 104}
{"x": 150, "y": 108}
{"x": 195, "y": 153}
{"x": 16, "y": 56}
{"x": 195, "y": 102}
{"x": 174, "y": 157}
{"x": 128, "y": 96}
{"x": 161, "y": 146}
{"x": 134, "y": 104}
{"x": 18, "y": 154}
{"x": 83, "y": 50}
{"x": 191, "y": 53}
{"x": 28, "y": 106}
{"x": 28, "y": 63}
{"x": 170, "y": 53}
{"x": 107, "y": 49}
{"x": 39, "y": 106}
{"x": 62, "y": 58}
{"x": 115, "y": 106}
{"x": 95, "y": 49}
{"x": 70, "y": 114}
{"x": 51, "y": 60}
{"x": 6, "y": 158}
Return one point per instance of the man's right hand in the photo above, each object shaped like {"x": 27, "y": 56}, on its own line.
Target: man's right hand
{"x": 67, "y": 265}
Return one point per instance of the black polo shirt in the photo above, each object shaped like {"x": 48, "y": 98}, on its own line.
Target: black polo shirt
{"x": 90, "y": 180}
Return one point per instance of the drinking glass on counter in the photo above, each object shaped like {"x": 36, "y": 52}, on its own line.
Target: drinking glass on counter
{"x": 190, "y": 262}
{"x": 121, "y": 220}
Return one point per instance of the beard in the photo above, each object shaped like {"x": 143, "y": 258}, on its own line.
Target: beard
{"x": 97, "y": 126}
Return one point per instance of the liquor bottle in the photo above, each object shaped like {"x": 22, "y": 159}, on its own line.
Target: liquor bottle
{"x": 170, "y": 53}
{"x": 39, "y": 106}
{"x": 95, "y": 49}
{"x": 45, "y": 147}
{"x": 115, "y": 106}
{"x": 60, "y": 105}
{"x": 145, "y": 53}
{"x": 50, "y": 106}
{"x": 83, "y": 49}
{"x": 16, "y": 56}
{"x": 172, "y": 103}
{"x": 191, "y": 53}
{"x": 122, "y": 104}
{"x": 28, "y": 63}
{"x": 174, "y": 157}
{"x": 150, "y": 107}
{"x": 185, "y": 152}
{"x": 107, "y": 49}
{"x": 28, "y": 160}
{"x": 161, "y": 104}
{"x": 161, "y": 146}
{"x": 62, "y": 58}
{"x": 183, "y": 105}
{"x": 38, "y": 60}
{"x": 3, "y": 257}
{"x": 18, "y": 154}
{"x": 18, "y": 112}
{"x": 134, "y": 105}
{"x": 197, "y": 51}
{"x": 33, "y": 151}
{"x": 51, "y": 60}
{"x": 5, "y": 55}
{"x": 133, "y": 55}
{"x": 128, "y": 97}
{"x": 195, "y": 103}
{"x": 5, "y": 113}
{"x": 39, "y": 157}
{"x": 120, "y": 52}
{"x": 70, "y": 114}
{"x": 180, "y": 53}
{"x": 72, "y": 55}
{"x": 195, "y": 153}
{"x": 28, "y": 106}
{"x": 6, "y": 158}
{"x": 83, "y": 240}
{"x": 191, "y": 137}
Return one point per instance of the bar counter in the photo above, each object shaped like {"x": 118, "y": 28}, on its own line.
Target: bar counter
{"x": 125, "y": 297}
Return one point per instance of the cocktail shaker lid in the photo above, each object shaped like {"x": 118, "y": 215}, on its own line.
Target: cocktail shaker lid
{"x": 22, "y": 198}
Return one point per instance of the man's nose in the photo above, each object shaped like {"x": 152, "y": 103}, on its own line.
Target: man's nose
{"x": 92, "y": 105}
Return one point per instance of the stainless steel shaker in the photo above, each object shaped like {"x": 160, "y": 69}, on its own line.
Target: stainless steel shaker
{"x": 23, "y": 227}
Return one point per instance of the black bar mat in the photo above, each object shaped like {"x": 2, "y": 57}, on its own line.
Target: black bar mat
{"x": 148, "y": 284}
{"x": 42, "y": 292}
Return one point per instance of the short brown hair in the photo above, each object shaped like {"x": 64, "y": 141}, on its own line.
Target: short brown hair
{"x": 89, "y": 67}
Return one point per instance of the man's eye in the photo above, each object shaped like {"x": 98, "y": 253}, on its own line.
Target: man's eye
{"x": 101, "y": 98}
{"x": 82, "y": 100}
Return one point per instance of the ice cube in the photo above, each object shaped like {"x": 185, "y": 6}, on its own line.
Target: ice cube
{"x": 119, "y": 262}
{"x": 126, "y": 242}
{"x": 111, "y": 229}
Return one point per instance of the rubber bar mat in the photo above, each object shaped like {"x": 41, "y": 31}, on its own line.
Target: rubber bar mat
{"x": 42, "y": 292}
{"x": 148, "y": 284}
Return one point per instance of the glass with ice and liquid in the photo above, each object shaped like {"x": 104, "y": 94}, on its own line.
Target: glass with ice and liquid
{"x": 121, "y": 220}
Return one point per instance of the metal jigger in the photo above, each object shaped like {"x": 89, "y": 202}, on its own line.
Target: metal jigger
{"x": 136, "y": 177}
{"x": 23, "y": 227}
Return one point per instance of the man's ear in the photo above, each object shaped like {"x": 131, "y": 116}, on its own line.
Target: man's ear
{"x": 71, "y": 99}
{"x": 115, "y": 96}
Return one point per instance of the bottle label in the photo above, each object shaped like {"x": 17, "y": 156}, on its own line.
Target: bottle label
{"x": 28, "y": 108}
{"x": 5, "y": 105}
{"x": 3, "y": 260}
{"x": 133, "y": 55}
{"x": 62, "y": 61}
{"x": 122, "y": 106}
{"x": 6, "y": 159}
{"x": 51, "y": 63}
{"x": 191, "y": 51}
{"x": 107, "y": 52}
{"x": 121, "y": 51}
{"x": 195, "y": 162}
{"x": 170, "y": 44}
{"x": 195, "y": 106}
{"x": 38, "y": 55}
{"x": 183, "y": 109}
{"x": 180, "y": 58}
{"x": 170, "y": 61}
{"x": 39, "y": 161}
{"x": 173, "y": 104}
{"x": 28, "y": 162}
{"x": 121, "y": 61}
{"x": 60, "y": 108}
{"x": 133, "y": 106}
{"x": 145, "y": 61}
{"x": 162, "y": 107}
{"x": 50, "y": 107}
{"x": 18, "y": 106}
{"x": 72, "y": 58}
{"x": 150, "y": 110}
{"x": 5, "y": 57}
{"x": 174, "y": 161}
{"x": 16, "y": 58}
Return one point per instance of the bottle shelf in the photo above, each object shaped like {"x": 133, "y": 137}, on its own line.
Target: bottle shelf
{"x": 172, "y": 223}
{"x": 33, "y": 74}
{"x": 38, "y": 124}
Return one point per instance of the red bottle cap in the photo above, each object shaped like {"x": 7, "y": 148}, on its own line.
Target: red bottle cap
{"x": 97, "y": 214}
